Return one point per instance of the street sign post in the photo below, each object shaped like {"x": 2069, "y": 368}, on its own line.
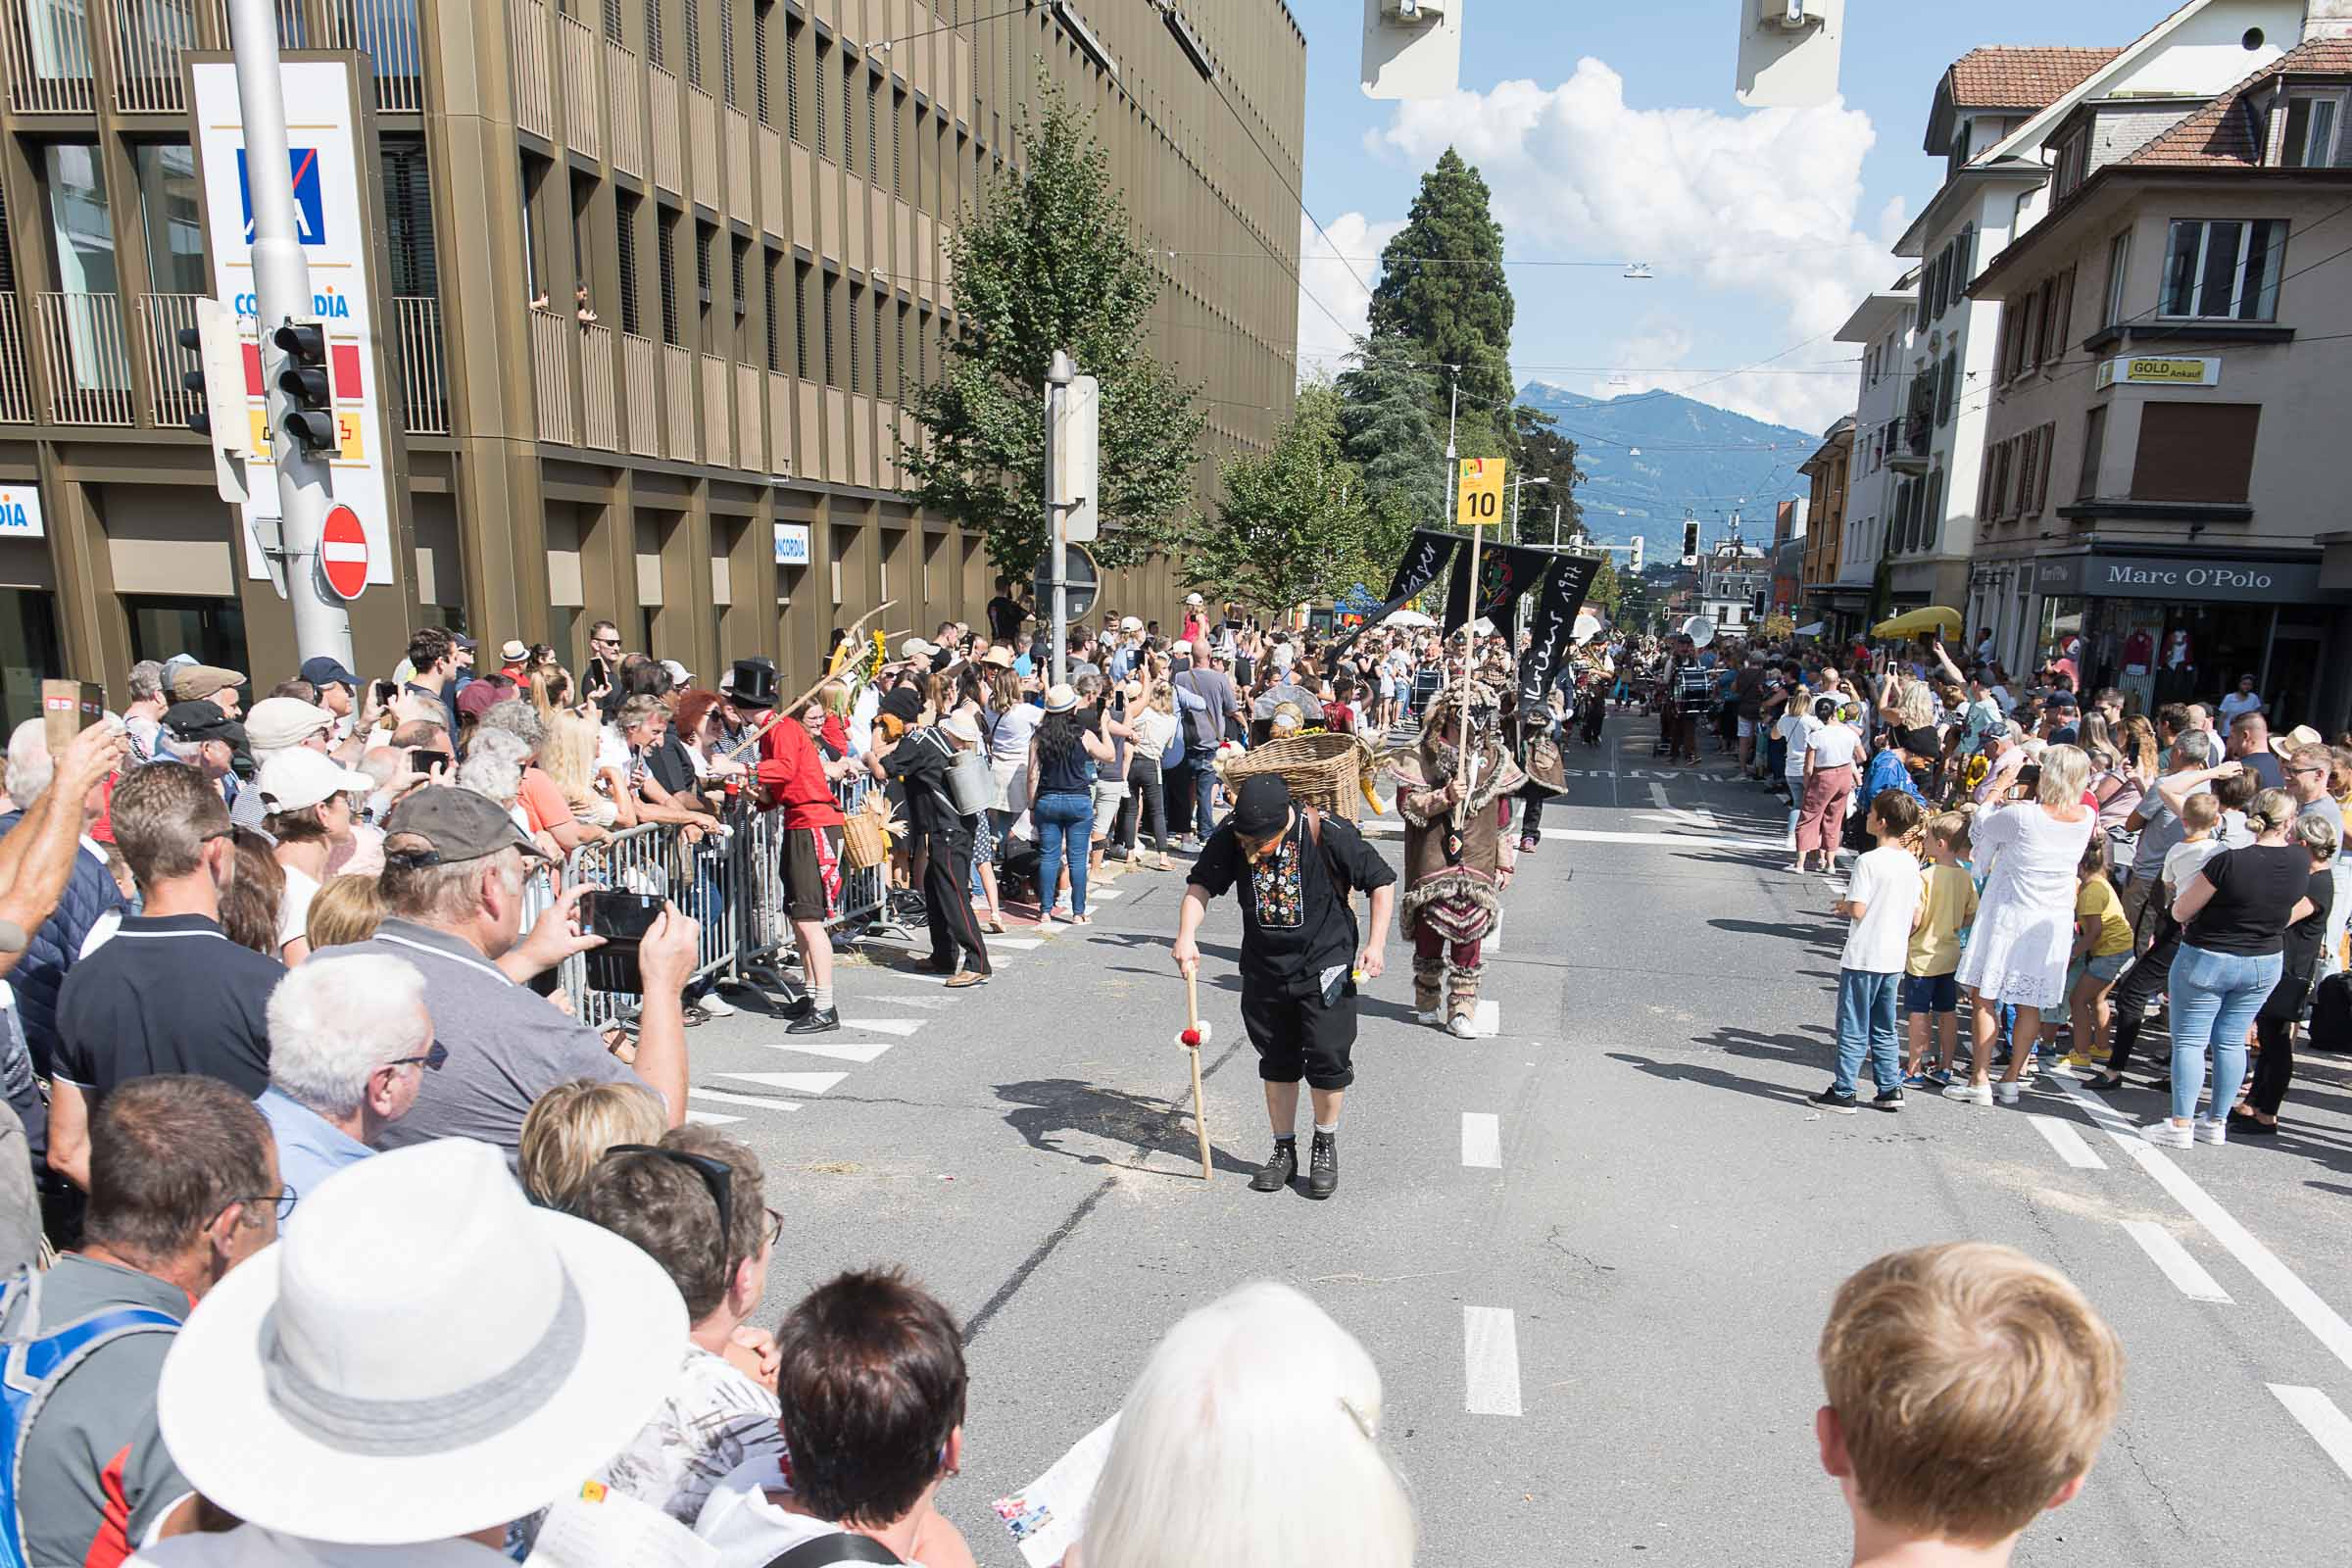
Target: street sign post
{"x": 1480, "y": 496}
{"x": 343, "y": 552}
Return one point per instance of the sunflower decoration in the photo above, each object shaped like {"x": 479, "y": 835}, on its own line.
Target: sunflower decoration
{"x": 1978, "y": 771}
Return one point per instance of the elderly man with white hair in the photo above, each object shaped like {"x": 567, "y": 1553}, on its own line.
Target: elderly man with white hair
{"x": 350, "y": 1043}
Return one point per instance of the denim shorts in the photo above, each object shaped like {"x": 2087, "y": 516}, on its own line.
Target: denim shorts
{"x": 1931, "y": 993}
{"x": 2107, "y": 969}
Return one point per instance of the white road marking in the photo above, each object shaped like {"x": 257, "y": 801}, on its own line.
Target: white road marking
{"x": 833, "y": 1045}
{"x": 711, "y": 1119}
{"x": 1492, "y": 942}
{"x": 1657, "y": 794}
{"x": 2068, "y": 1142}
{"x": 2325, "y": 1322}
{"x": 761, "y": 1101}
{"x": 1486, "y": 1020}
{"x": 1677, "y": 841}
{"x": 1104, "y": 894}
{"x": 918, "y": 977}
{"x": 794, "y": 1083}
{"x": 900, "y": 1027}
{"x": 1482, "y": 1140}
{"x": 1014, "y": 944}
{"x": 2329, "y": 1426}
{"x": 2165, "y": 1250}
{"x": 1490, "y": 1361}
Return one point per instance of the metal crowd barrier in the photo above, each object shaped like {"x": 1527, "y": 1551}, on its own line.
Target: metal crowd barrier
{"x": 731, "y": 882}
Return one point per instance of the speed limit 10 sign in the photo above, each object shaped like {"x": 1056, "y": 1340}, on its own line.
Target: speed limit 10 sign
{"x": 1481, "y": 504}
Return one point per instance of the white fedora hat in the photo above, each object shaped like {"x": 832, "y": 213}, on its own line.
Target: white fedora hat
{"x": 422, "y": 1355}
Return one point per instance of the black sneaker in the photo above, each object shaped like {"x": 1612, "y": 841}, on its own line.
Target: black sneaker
{"x": 1887, "y": 1099}
{"x": 1831, "y": 1100}
{"x": 1276, "y": 1173}
{"x": 816, "y": 1021}
{"x": 1323, "y": 1166}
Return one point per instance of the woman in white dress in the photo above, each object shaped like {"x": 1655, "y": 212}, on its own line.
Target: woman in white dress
{"x": 2024, "y": 928}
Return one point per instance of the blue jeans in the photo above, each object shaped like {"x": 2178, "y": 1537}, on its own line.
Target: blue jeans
{"x": 1866, "y": 1028}
{"x": 1204, "y": 785}
{"x": 1066, "y": 823}
{"x": 2215, "y": 997}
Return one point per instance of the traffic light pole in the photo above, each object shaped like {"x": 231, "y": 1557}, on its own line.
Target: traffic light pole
{"x": 281, "y": 287}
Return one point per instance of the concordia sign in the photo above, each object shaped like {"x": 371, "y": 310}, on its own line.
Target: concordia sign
{"x": 334, "y": 230}
{"x": 2179, "y": 577}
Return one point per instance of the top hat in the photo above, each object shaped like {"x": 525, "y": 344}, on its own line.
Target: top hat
{"x": 755, "y": 684}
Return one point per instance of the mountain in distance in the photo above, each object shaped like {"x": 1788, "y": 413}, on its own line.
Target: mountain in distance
{"x": 1651, "y": 456}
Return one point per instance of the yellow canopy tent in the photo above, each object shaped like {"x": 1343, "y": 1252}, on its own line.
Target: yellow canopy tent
{"x": 1911, "y": 623}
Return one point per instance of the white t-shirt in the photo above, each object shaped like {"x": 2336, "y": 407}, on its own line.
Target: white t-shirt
{"x": 2235, "y": 705}
{"x": 294, "y": 909}
{"x": 2185, "y": 860}
{"x": 1887, "y": 885}
{"x": 1798, "y": 730}
{"x": 1008, "y": 741}
{"x": 749, "y": 1529}
{"x": 1833, "y": 744}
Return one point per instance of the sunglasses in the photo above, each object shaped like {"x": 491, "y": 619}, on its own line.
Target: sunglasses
{"x": 718, "y": 1177}
{"x": 434, "y": 1055}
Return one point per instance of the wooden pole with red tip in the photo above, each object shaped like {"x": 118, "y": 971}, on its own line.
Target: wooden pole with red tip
{"x": 1191, "y": 1042}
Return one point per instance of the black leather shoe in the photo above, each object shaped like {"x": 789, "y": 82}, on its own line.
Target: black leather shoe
{"x": 1276, "y": 1173}
{"x": 1323, "y": 1166}
{"x": 816, "y": 1021}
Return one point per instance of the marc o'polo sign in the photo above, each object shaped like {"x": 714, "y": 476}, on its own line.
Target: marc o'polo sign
{"x": 2179, "y": 577}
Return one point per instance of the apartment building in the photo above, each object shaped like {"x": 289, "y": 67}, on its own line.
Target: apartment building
{"x": 1827, "y": 470}
{"x": 653, "y": 278}
{"x": 2163, "y": 483}
{"x": 1992, "y": 120}
{"x": 1841, "y": 580}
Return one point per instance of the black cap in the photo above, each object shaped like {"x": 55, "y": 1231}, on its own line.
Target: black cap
{"x": 327, "y": 670}
{"x": 463, "y": 641}
{"x": 458, "y": 825}
{"x": 203, "y": 721}
{"x": 1262, "y": 807}
{"x": 2060, "y": 698}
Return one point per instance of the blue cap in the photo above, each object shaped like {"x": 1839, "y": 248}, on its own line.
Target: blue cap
{"x": 326, "y": 671}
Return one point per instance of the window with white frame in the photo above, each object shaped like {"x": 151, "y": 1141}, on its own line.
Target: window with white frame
{"x": 2312, "y": 120}
{"x": 2119, "y": 257}
{"x": 2222, "y": 268}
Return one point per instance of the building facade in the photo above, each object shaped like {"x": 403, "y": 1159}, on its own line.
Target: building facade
{"x": 2164, "y": 477}
{"x": 656, "y": 279}
{"x": 1827, "y": 470}
{"x": 1840, "y": 594}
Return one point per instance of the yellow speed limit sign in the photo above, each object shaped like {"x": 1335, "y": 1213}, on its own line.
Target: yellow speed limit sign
{"x": 1481, "y": 504}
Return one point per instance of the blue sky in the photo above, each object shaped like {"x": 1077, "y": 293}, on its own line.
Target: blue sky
{"x": 1609, "y": 132}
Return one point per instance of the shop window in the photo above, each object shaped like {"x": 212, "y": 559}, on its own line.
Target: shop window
{"x": 212, "y": 629}
{"x": 31, "y": 650}
{"x": 2119, "y": 257}
{"x": 2224, "y": 269}
{"x": 2195, "y": 451}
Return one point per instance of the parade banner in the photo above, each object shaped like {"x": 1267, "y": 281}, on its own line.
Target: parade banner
{"x": 1504, "y": 573}
{"x": 1554, "y": 624}
{"x": 1424, "y": 562}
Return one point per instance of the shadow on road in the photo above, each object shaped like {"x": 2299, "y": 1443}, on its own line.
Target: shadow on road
{"x": 1048, "y": 1108}
{"x": 1711, "y": 1077}
{"x": 1824, "y": 936}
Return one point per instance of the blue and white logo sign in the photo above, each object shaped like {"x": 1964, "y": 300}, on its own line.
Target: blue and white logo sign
{"x": 310, "y": 205}
{"x": 792, "y": 544}
{"x": 20, "y": 511}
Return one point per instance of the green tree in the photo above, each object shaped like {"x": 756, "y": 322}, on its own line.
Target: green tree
{"x": 1442, "y": 286}
{"x": 1607, "y": 592}
{"x": 1046, "y": 263}
{"x": 1389, "y": 434}
{"x": 1290, "y": 526}
{"x": 1539, "y": 452}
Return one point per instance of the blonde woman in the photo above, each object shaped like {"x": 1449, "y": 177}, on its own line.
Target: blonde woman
{"x": 568, "y": 758}
{"x": 570, "y": 1128}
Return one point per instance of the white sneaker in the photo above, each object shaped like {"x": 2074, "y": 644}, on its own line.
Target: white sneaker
{"x": 1461, "y": 1027}
{"x": 2210, "y": 1130}
{"x": 1046, "y": 928}
{"x": 1432, "y": 1016}
{"x": 716, "y": 1006}
{"x": 2006, "y": 1092}
{"x": 2165, "y": 1133}
{"x": 1969, "y": 1094}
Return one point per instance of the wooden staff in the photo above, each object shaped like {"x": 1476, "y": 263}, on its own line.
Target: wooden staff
{"x": 1191, "y": 1042}
{"x": 784, "y": 711}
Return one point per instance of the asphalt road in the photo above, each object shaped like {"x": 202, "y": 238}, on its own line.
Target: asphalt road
{"x": 1592, "y": 1253}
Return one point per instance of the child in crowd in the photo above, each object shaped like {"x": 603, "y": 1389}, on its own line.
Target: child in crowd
{"x": 1338, "y": 714}
{"x": 2102, "y": 947}
{"x": 1883, "y": 898}
{"x": 1948, "y": 907}
{"x": 1944, "y": 1452}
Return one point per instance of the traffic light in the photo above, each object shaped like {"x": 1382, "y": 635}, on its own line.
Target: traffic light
{"x": 219, "y": 385}
{"x": 1636, "y": 559}
{"x": 1691, "y": 539}
{"x": 303, "y": 378}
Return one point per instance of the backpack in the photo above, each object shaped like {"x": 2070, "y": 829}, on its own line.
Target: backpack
{"x": 2332, "y": 1013}
{"x": 32, "y": 1366}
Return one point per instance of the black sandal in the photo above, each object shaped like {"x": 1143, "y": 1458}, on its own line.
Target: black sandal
{"x": 2105, "y": 1083}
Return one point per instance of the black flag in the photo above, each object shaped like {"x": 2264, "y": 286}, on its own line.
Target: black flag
{"x": 1554, "y": 627}
{"x": 1424, "y": 562}
{"x": 1504, "y": 573}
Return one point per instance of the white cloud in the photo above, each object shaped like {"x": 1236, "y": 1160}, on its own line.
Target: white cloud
{"x": 1763, "y": 204}
{"x": 1337, "y": 272}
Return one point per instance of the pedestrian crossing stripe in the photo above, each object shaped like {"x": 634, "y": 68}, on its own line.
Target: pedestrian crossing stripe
{"x": 711, "y": 1119}
{"x": 762, "y": 1101}
{"x": 793, "y": 1083}
{"x": 860, "y": 1052}
{"x": 902, "y": 1028}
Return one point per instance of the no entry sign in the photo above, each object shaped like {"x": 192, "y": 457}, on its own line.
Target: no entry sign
{"x": 343, "y": 552}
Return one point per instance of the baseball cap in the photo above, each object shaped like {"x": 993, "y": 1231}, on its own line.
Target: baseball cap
{"x": 1262, "y": 807}
{"x": 192, "y": 683}
{"x": 326, "y": 671}
{"x": 680, "y": 674}
{"x": 915, "y": 648}
{"x": 2059, "y": 699}
{"x": 277, "y": 722}
{"x": 203, "y": 721}
{"x": 457, "y": 824}
{"x": 292, "y": 780}
{"x": 1131, "y": 623}
{"x": 463, "y": 641}
{"x": 482, "y": 696}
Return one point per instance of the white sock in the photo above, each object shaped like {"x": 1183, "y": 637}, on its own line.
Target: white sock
{"x": 1331, "y": 1131}
{"x": 822, "y": 996}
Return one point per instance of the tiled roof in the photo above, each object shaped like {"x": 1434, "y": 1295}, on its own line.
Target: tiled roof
{"x": 2015, "y": 77}
{"x": 2227, "y": 133}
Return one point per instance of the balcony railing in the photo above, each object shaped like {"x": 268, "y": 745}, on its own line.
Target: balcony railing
{"x": 583, "y": 97}
{"x": 534, "y": 104}
{"x": 599, "y": 415}
{"x": 703, "y": 129}
{"x": 677, "y": 387}
{"x": 423, "y": 371}
{"x": 551, "y": 371}
{"x": 147, "y": 39}
{"x": 641, "y": 366}
{"x": 47, "y": 43}
{"x": 718, "y": 432}
{"x": 87, "y": 362}
{"x": 15, "y": 382}
{"x": 161, "y": 317}
{"x": 148, "y": 36}
{"x": 749, "y": 423}
{"x": 669, "y": 170}
{"x": 387, "y": 32}
{"x": 628, "y": 110}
